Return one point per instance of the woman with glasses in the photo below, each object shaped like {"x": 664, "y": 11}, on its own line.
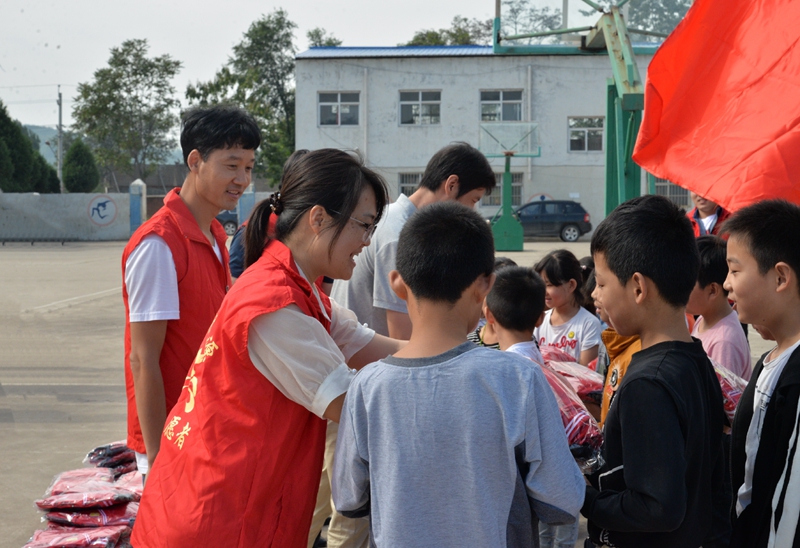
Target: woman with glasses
{"x": 241, "y": 452}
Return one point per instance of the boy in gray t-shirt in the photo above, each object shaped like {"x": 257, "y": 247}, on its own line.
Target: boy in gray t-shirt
{"x": 446, "y": 442}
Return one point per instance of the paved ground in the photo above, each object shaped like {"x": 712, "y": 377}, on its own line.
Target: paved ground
{"x": 61, "y": 382}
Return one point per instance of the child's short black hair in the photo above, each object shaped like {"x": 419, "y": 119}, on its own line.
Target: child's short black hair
{"x": 463, "y": 160}
{"x": 502, "y": 262}
{"x": 652, "y": 236}
{"x": 517, "y": 298}
{"x": 218, "y": 127}
{"x": 443, "y": 249}
{"x": 771, "y": 230}
{"x": 713, "y": 261}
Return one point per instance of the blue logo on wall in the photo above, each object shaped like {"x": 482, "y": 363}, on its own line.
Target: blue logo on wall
{"x": 102, "y": 210}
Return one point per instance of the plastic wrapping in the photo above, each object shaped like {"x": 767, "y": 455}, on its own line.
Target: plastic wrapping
{"x": 86, "y": 488}
{"x": 581, "y": 378}
{"x": 123, "y": 514}
{"x": 583, "y": 433}
{"x": 103, "y": 452}
{"x": 732, "y": 386}
{"x": 116, "y": 455}
{"x": 78, "y": 537}
{"x": 133, "y": 482}
{"x": 551, "y": 353}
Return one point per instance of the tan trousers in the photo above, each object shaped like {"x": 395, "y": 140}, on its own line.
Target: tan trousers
{"x": 342, "y": 532}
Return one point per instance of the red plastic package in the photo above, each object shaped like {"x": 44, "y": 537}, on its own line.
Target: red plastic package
{"x": 72, "y": 481}
{"x": 580, "y": 427}
{"x": 133, "y": 482}
{"x": 124, "y": 514}
{"x": 732, "y": 386}
{"x": 87, "y": 488}
{"x": 551, "y": 353}
{"x": 78, "y": 537}
{"x": 581, "y": 378}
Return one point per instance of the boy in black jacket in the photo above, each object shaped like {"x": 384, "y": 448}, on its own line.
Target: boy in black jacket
{"x": 663, "y": 432}
{"x": 764, "y": 262}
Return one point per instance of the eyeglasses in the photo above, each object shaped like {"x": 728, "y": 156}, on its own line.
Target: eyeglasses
{"x": 369, "y": 228}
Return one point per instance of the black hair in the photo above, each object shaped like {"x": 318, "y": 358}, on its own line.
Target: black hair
{"x": 771, "y": 231}
{"x": 586, "y": 292}
{"x": 206, "y": 129}
{"x": 442, "y": 250}
{"x": 652, "y": 236}
{"x": 517, "y": 298}
{"x": 561, "y": 266}
{"x": 463, "y": 160}
{"x": 502, "y": 262}
{"x": 328, "y": 177}
{"x": 713, "y": 261}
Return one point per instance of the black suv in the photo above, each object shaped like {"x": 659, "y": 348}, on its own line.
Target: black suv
{"x": 229, "y": 220}
{"x": 563, "y": 218}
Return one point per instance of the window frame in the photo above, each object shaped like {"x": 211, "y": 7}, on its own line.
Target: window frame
{"x": 502, "y": 101}
{"x": 403, "y": 186}
{"x": 419, "y": 102}
{"x": 495, "y": 199}
{"x": 339, "y": 103}
{"x": 586, "y": 131}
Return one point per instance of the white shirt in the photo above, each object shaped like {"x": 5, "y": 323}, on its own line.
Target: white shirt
{"x": 708, "y": 222}
{"x": 765, "y": 386}
{"x": 527, "y": 349}
{"x": 582, "y": 332}
{"x": 152, "y": 281}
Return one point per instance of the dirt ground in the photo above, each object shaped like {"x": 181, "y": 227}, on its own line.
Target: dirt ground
{"x": 61, "y": 377}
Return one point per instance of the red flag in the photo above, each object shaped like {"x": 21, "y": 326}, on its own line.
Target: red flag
{"x": 722, "y": 103}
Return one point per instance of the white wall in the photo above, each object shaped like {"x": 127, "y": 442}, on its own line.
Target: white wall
{"x": 34, "y": 217}
{"x": 554, "y": 88}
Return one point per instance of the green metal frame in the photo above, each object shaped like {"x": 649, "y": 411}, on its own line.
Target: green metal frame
{"x": 625, "y": 91}
{"x": 507, "y": 230}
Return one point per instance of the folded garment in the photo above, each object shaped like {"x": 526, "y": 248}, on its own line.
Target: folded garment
{"x": 78, "y": 537}
{"x": 123, "y": 514}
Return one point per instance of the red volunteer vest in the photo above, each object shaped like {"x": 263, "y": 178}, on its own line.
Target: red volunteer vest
{"x": 240, "y": 463}
{"x": 202, "y": 283}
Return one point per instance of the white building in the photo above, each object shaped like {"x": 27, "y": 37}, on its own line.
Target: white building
{"x": 397, "y": 106}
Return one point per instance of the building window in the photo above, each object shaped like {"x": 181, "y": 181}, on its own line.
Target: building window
{"x": 496, "y": 197}
{"x": 420, "y": 107}
{"x": 409, "y": 182}
{"x": 585, "y": 134}
{"x": 501, "y": 106}
{"x": 677, "y": 195}
{"x": 338, "y": 109}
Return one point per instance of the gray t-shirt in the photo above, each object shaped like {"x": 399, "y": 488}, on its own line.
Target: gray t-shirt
{"x": 368, "y": 292}
{"x": 455, "y": 449}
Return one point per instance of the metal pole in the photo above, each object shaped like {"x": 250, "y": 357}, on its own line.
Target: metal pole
{"x": 60, "y": 145}
{"x": 564, "y": 14}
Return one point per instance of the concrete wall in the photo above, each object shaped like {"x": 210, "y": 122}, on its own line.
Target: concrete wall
{"x": 554, "y": 88}
{"x": 35, "y": 217}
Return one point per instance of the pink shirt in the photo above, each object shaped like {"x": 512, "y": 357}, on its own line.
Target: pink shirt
{"x": 726, "y": 344}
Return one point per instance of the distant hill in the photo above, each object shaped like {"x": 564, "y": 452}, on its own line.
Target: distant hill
{"x": 47, "y": 133}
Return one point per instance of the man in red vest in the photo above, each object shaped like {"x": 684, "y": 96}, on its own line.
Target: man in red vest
{"x": 706, "y": 217}
{"x": 175, "y": 271}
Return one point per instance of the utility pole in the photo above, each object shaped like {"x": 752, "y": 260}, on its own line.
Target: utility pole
{"x": 60, "y": 144}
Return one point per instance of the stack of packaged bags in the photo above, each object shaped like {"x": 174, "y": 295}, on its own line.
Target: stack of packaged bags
{"x": 92, "y": 507}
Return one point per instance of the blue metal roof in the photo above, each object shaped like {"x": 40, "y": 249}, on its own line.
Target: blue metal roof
{"x": 338, "y": 52}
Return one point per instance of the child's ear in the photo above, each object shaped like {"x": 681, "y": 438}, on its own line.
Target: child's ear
{"x": 786, "y": 277}
{"x": 639, "y": 285}
{"x": 489, "y": 316}
{"x": 398, "y": 285}
{"x": 483, "y": 285}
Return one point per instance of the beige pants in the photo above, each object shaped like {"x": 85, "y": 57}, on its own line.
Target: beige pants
{"x": 342, "y": 532}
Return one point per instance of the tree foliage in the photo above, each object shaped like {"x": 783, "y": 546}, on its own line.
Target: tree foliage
{"x": 20, "y": 151}
{"x": 319, "y": 37}
{"x": 6, "y": 166}
{"x": 651, "y": 15}
{"x": 521, "y": 17}
{"x": 128, "y": 112}
{"x": 80, "y": 169}
{"x": 259, "y": 77}
{"x": 46, "y": 179}
{"x": 462, "y": 32}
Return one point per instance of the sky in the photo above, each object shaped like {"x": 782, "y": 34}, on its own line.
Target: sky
{"x": 44, "y": 43}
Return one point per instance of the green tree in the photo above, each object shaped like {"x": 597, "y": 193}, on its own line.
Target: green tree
{"x": 20, "y": 151}
{"x": 462, "y": 32}
{"x": 660, "y": 16}
{"x": 259, "y": 77}
{"x": 319, "y": 37}
{"x": 6, "y": 166}
{"x": 128, "y": 112}
{"x": 520, "y": 17}
{"x": 46, "y": 178}
{"x": 80, "y": 170}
